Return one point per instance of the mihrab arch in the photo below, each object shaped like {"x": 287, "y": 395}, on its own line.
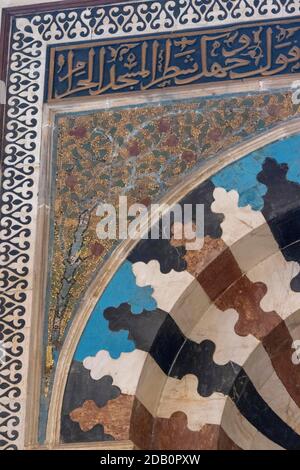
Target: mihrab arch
{"x": 198, "y": 343}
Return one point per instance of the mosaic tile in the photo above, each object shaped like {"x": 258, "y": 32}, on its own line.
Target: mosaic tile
{"x": 283, "y": 222}
{"x": 245, "y": 297}
{"x": 114, "y": 417}
{"x": 97, "y": 334}
{"x": 242, "y": 432}
{"x": 260, "y": 415}
{"x": 205, "y": 332}
{"x": 102, "y": 364}
{"x": 174, "y": 434}
{"x": 276, "y": 273}
{"x": 182, "y": 395}
{"x": 72, "y": 433}
{"x": 219, "y": 327}
{"x": 281, "y": 402}
{"x": 167, "y": 287}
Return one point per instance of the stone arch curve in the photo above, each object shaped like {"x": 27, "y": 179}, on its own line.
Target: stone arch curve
{"x": 182, "y": 407}
{"x": 122, "y": 252}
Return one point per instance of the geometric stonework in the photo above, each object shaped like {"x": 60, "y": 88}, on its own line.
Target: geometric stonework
{"x": 198, "y": 363}
{"x": 146, "y": 343}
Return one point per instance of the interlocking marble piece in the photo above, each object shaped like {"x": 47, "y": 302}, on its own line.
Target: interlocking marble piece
{"x": 217, "y": 345}
{"x": 203, "y": 194}
{"x": 114, "y": 416}
{"x": 260, "y": 415}
{"x": 240, "y": 176}
{"x": 254, "y": 248}
{"x": 87, "y": 416}
{"x": 142, "y": 328}
{"x": 173, "y": 433}
{"x": 191, "y": 358}
{"x": 151, "y": 384}
{"x": 167, "y": 344}
{"x": 245, "y": 296}
{"x": 167, "y": 288}
{"x": 219, "y": 327}
{"x": 293, "y": 324}
{"x": 244, "y": 396}
{"x": 197, "y": 359}
{"x": 124, "y": 371}
{"x": 271, "y": 388}
{"x": 281, "y": 210}
{"x": 189, "y": 307}
{"x": 71, "y": 432}
{"x": 243, "y": 175}
{"x": 229, "y": 379}
{"x": 197, "y": 260}
{"x": 182, "y": 395}
{"x": 278, "y": 345}
{"x": 169, "y": 258}
{"x": 141, "y": 430}
{"x": 242, "y": 432}
{"x": 162, "y": 251}
{"x": 276, "y": 273}
{"x": 238, "y": 221}
{"x": 80, "y": 387}
{"x": 97, "y": 335}
{"x": 222, "y": 272}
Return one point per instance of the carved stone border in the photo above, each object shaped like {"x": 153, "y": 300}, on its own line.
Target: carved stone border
{"x": 24, "y": 37}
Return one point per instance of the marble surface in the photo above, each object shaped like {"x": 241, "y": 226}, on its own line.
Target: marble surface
{"x": 211, "y": 362}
